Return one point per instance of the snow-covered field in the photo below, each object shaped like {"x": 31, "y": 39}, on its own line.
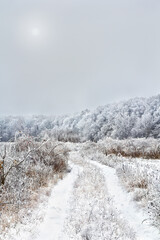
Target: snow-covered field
{"x": 96, "y": 201}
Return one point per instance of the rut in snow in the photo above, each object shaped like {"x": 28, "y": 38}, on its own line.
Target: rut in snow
{"x": 52, "y": 225}
{"x": 92, "y": 213}
{"x": 126, "y": 207}
{"x": 91, "y": 204}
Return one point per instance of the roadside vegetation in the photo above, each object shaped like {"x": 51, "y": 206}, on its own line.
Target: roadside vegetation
{"x": 138, "y": 174}
{"x": 27, "y": 168}
{"x": 148, "y": 148}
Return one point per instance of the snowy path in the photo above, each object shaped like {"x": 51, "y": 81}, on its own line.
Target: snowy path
{"x": 69, "y": 205}
{"x": 126, "y": 206}
{"x": 92, "y": 214}
{"x": 90, "y": 203}
{"x": 52, "y": 225}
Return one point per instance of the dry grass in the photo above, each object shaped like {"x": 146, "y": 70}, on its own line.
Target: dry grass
{"x": 135, "y": 148}
{"x": 32, "y": 179}
{"x": 140, "y": 183}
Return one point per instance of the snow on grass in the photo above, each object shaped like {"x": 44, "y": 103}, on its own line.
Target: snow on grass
{"x": 142, "y": 180}
{"x": 122, "y": 200}
{"x": 92, "y": 213}
{"x": 139, "y": 176}
{"x": 47, "y": 220}
{"x": 27, "y": 167}
{"x": 31, "y": 218}
{"x": 90, "y": 204}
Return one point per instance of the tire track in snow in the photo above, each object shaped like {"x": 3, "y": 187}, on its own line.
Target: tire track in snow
{"x": 133, "y": 215}
{"x": 51, "y": 227}
{"x": 92, "y": 215}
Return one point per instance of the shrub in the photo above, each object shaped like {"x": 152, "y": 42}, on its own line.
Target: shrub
{"x": 28, "y": 166}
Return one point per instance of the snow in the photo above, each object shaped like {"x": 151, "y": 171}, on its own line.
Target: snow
{"x": 127, "y": 207}
{"x": 92, "y": 214}
{"x": 71, "y": 203}
{"x": 59, "y": 208}
{"x": 51, "y": 227}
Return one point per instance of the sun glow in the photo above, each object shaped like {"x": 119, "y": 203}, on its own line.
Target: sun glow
{"x": 35, "y": 31}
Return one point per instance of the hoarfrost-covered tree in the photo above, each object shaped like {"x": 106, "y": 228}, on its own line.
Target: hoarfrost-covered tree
{"x": 139, "y": 117}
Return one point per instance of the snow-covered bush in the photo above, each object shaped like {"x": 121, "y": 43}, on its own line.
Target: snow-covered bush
{"x": 27, "y": 167}
{"x": 66, "y": 135}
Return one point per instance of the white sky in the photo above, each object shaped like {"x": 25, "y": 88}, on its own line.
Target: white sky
{"x": 62, "y": 56}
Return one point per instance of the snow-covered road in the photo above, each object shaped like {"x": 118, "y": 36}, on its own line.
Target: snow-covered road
{"x": 90, "y": 203}
{"x": 57, "y": 209}
{"x": 126, "y": 207}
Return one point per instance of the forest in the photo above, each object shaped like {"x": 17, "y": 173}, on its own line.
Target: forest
{"x": 135, "y": 118}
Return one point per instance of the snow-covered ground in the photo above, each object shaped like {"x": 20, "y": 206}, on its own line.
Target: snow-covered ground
{"x": 92, "y": 212}
{"x": 57, "y": 208}
{"x": 91, "y": 204}
{"x": 123, "y": 202}
{"x": 55, "y": 212}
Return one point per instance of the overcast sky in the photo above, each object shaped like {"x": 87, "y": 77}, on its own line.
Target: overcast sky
{"x": 62, "y": 56}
